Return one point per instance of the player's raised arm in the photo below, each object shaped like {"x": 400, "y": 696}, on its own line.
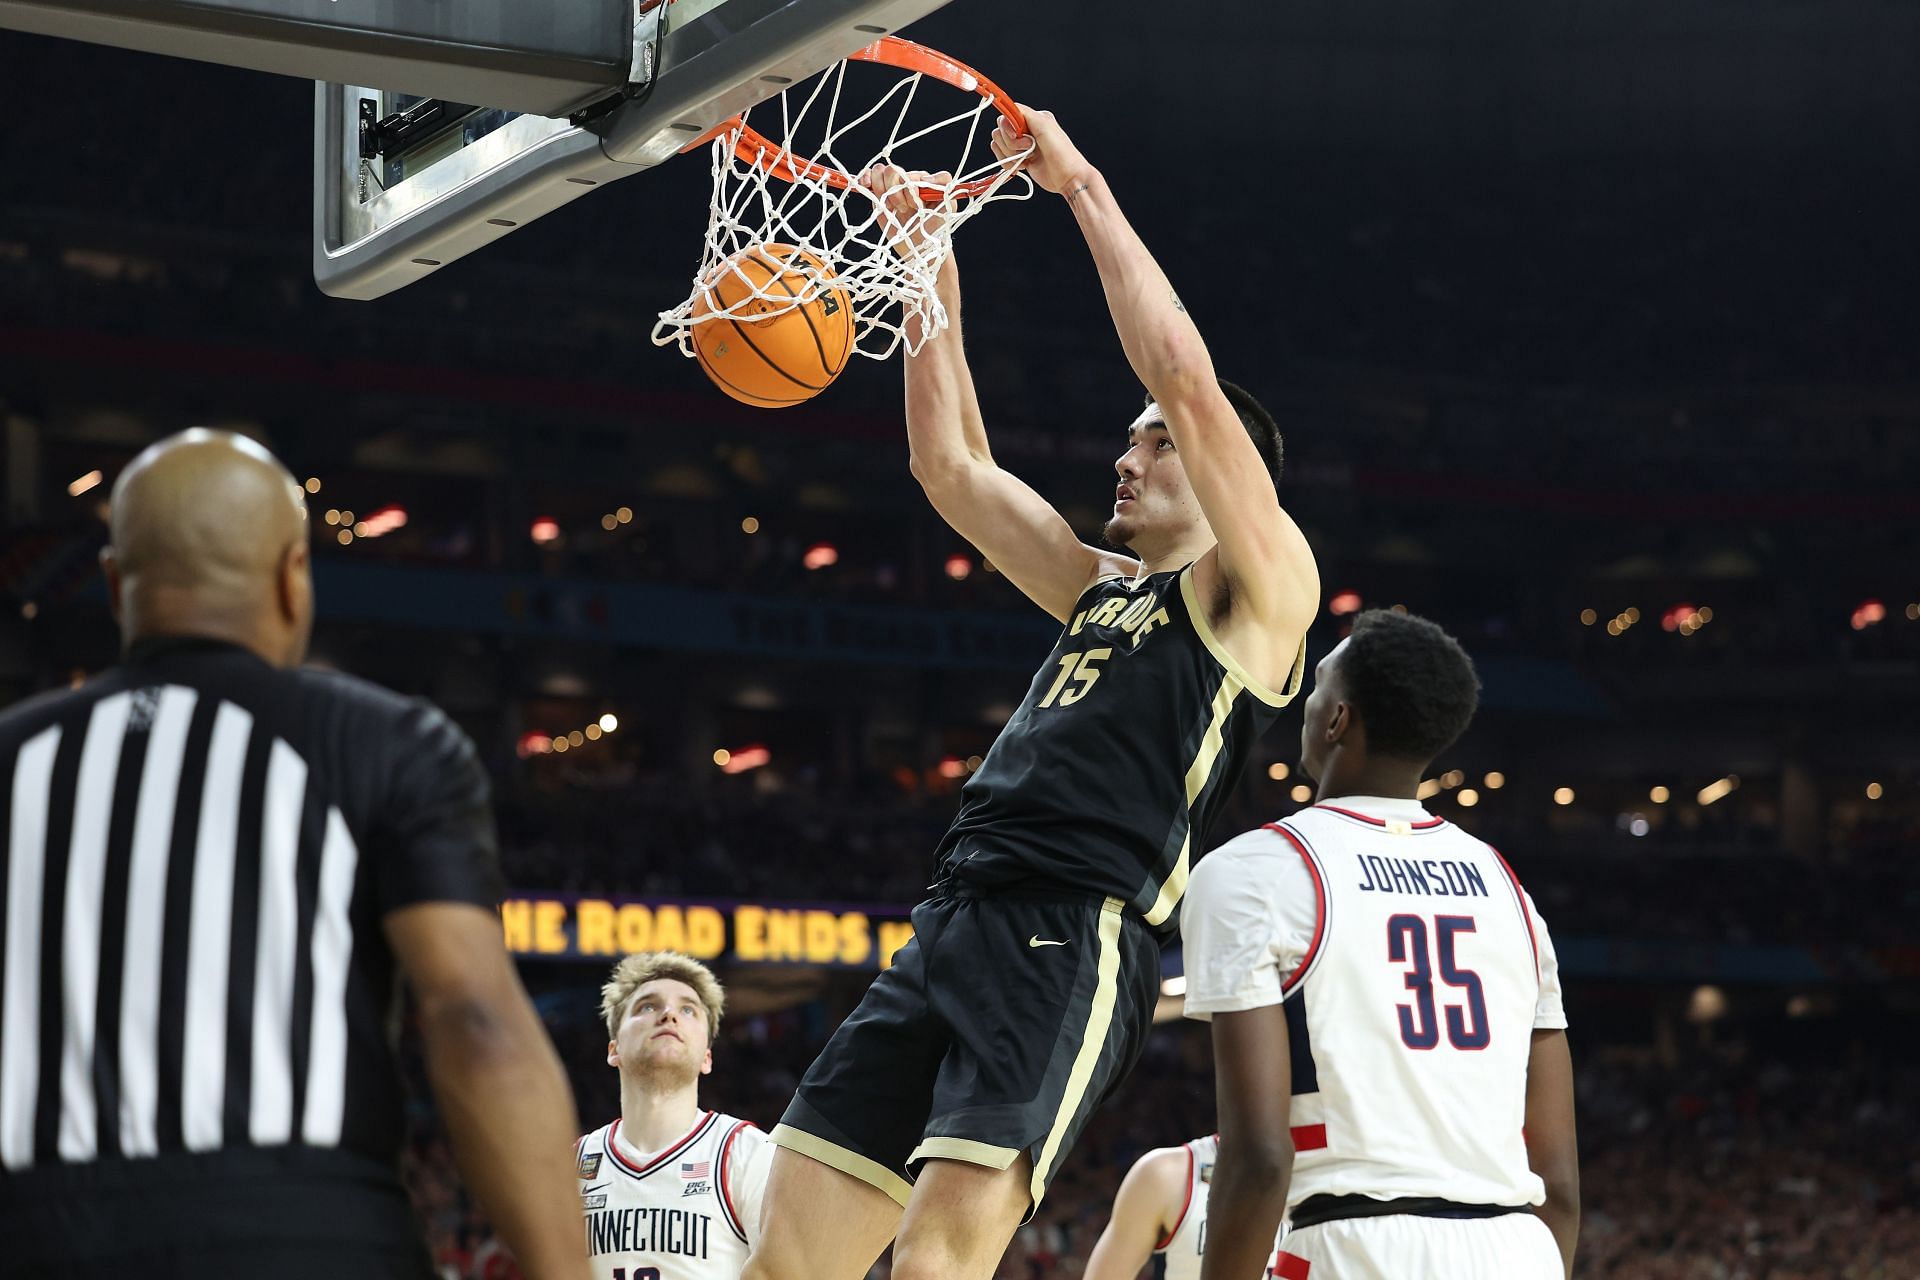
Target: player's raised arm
{"x": 1265, "y": 562}
{"x": 996, "y": 511}
{"x": 1149, "y": 1198}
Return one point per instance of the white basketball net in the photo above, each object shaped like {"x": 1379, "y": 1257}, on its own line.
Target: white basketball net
{"x": 886, "y": 265}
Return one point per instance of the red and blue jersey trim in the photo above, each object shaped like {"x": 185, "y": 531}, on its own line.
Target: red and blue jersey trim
{"x": 1321, "y": 903}
{"x": 1520, "y": 901}
{"x": 1431, "y": 824}
{"x": 727, "y": 1210}
{"x": 626, "y": 1166}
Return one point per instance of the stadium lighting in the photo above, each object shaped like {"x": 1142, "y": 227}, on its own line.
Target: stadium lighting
{"x": 1563, "y": 795}
{"x": 1468, "y": 797}
{"x": 953, "y": 767}
{"x": 609, "y": 722}
{"x": 1428, "y": 789}
{"x": 84, "y": 483}
{"x": 545, "y": 531}
{"x": 750, "y": 525}
{"x": 746, "y": 758}
{"x": 958, "y": 567}
{"x": 821, "y": 555}
{"x": 312, "y": 485}
{"x": 1869, "y": 613}
{"x": 1659, "y": 795}
{"x": 1720, "y": 790}
{"x": 1344, "y": 603}
{"x": 1588, "y": 617}
{"x": 1875, "y": 791}
{"x": 1708, "y": 1004}
{"x": 381, "y": 522}
{"x": 1495, "y": 780}
{"x": 1301, "y": 794}
{"x": 1278, "y": 771}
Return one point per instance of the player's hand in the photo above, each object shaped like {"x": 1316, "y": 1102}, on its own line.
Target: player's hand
{"x": 909, "y": 220}
{"x": 1052, "y": 159}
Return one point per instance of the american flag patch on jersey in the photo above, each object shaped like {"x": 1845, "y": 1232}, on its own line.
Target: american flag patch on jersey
{"x": 695, "y": 1172}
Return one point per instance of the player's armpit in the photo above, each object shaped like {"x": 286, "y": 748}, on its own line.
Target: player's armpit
{"x": 1020, "y": 533}
{"x": 1150, "y": 1197}
{"x": 1253, "y": 1085}
{"x": 1553, "y": 1151}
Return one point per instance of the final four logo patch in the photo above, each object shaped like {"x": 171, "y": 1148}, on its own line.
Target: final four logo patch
{"x": 589, "y": 1164}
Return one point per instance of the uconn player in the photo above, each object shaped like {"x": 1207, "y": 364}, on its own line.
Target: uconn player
{"x": 1389, "y": 971}
{"x": 1160, "y": 1214}
{"x": 669, "y": 1190}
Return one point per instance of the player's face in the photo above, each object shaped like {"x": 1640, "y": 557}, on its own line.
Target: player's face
{"x": 1325, "y": 717}
{"x": 1152, "y": 497}
{"x": 665, "y": 1031}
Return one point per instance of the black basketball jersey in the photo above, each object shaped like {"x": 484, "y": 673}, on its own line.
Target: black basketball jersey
{"x": 1113, "y": 767}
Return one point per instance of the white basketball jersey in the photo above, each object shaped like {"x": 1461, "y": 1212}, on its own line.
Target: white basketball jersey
{"x": 1178, "y": 1256}
{"x": 1414, "y": 971}
{"x": 683, "y": 1213}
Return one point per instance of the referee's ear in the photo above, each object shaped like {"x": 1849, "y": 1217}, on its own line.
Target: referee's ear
{"x": 110, "y": 566}
{"x": 294, "y": 600}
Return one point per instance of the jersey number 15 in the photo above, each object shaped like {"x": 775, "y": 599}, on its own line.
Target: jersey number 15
{"x": 1419, "y": 1028}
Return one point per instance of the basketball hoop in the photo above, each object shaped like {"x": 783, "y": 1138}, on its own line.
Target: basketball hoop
{"x": 797, "y": 185}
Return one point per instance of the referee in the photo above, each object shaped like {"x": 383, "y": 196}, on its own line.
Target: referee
{"x": 214, "y": 868}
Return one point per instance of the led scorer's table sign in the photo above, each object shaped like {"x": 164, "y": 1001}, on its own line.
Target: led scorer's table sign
{"x": 568, "y": 926}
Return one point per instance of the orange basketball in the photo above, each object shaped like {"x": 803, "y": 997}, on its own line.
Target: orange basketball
{"x": 785, "y": 357}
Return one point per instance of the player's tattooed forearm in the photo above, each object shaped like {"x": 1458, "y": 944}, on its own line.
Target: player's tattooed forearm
{"x": 1073, "y": 193}
{"x": 1178, "y": 305}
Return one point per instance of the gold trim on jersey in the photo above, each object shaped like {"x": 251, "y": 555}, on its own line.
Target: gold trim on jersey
{"x": 1099, "y": 1019}
{"x": 1198, "y": 772}
{"x": 981, "y": 1153}
{"x": 851, "y": 1163}
{"x": 1196, "y": 610}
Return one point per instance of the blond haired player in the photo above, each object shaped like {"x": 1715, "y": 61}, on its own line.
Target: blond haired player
{"x": 668, "y": 1189}
{"x": 1390, "y": 1052}
{"x": 1159, "y": 1215}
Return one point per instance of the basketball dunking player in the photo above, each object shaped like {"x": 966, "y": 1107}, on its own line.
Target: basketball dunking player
{"x": 1389, "y": 1046}
{"x": 668, "y": 1189}
{"x": 943, "y": 1105}
{"x": 1160, "y": 1215}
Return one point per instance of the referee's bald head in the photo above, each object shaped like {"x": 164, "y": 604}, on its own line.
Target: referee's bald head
{"x": 209, "y": 538}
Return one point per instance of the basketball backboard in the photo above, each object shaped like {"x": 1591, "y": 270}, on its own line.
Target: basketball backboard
{"x": 405, "y": 183}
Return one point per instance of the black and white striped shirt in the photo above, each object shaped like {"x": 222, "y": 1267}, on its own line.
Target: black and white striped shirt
{"x": 196, "y": 853}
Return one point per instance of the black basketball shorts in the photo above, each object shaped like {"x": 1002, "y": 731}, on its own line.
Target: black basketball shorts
{"x": 998, "y": 1030}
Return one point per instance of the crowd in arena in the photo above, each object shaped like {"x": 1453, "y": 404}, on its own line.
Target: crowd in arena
{"x": 1728, "y": 880}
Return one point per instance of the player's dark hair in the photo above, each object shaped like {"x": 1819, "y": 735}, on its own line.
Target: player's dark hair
{"x": 1412, "y": 684}
{"x": 1261, "y": 428}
